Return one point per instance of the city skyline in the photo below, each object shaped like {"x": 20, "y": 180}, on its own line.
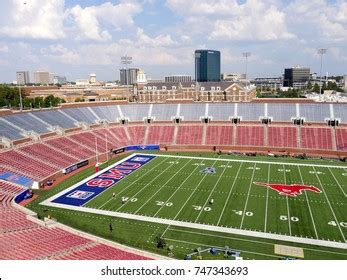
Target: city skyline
{"x": 76, "y": 38}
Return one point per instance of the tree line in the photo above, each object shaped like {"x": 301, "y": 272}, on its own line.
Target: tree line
{"x": 10, "y": 98}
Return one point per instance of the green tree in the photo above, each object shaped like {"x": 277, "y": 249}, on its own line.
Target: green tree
{"x": 315, "y": 88}
{"x": 309, "y": 85}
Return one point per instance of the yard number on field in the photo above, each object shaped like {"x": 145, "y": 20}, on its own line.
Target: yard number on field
{"x": 285, "y": 218}
{"x": 198, "y": 208}
{"x": 162, "y": 203}
{"x": 284, "y": 170}
{"x": 239, "y": 212}
{"x": 134, "y": 199}
{"x": 333, "y": 223}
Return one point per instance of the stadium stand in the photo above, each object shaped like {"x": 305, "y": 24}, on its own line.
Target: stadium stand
{"x": 120, "y": 133}
{"x": 219, "y": 135}
{"x": 6, "y": 130}
{"x": 90, "y": 140}
{"x": 341, "y": 139}
{"x": 189, "y": 135}
{"x": 81, "y": 115}
{"x": 69, "y": 147}
{"x": 316, "y": 138}
{"x": 250, "y": 136}
{"x": 221, "y": 112}
{"x": 251, "y": 112}
{"x": 55, "y": 118}
{"x": 340, "y": 112}
{"x": 160, "y": 134}
{"x": 52, "y": 153}
{"x": 192, "y": 112}
{"x": 281, "y": 112}
{"x": 163, "y": 112}
{"x": 314, "y": 112}
{"x": 137, "y": 134}
{"x": 26, "y": 165}
{"x": 27, "y": 122}
{"x": 109, "y": 113}
{"x": 21, "y": 238}
{"x": 135, "y": 112}
{"x": 47, "y": 155}
{"x": 282, "y": 136}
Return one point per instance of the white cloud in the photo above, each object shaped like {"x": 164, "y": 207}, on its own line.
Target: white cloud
{"x": 92, "y": 21}
{"x": 39, "y": 19}
{"x": 319, "y": 19}
{"x": 213, "y": 8}
{"x": 253, "y": 21}
{"x": 159, "y": 41}
{"x": 3, "y": 48}
{"x": 229, "y": 20}
{"x": 62, "y": 54}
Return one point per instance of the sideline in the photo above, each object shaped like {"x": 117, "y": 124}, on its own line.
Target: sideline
{"x": 287, "y": 238}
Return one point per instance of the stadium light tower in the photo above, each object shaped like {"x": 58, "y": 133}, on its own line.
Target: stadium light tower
{"x": 321, "y": 52}
{"x": 20, "y": 98}
{"x": 126, "y": 60}
{"x": 246, "y": 55}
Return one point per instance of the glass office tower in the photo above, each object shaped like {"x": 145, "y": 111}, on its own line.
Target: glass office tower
{"x": 207, "y": 66}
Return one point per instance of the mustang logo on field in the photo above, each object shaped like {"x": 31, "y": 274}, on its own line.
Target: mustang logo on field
{"x": 290, "y": 190}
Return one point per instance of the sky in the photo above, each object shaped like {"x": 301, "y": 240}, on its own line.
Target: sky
{"x": 74, "y": 38}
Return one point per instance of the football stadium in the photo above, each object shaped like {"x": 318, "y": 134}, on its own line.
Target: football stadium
{"x": 259, "y": 180}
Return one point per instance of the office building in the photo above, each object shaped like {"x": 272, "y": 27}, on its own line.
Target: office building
{"x": 59, "y": 80}
{"x": 207, "y": 66}
{"x": 92, "y": 78}
{"x": 268, "y": 82}
{"x": 141, "y": 77}
{"x": 51, "y": 77}
{"x": 233, "y": 77}
{"x": 22, "y": 77}
{"x": 296, "y": 77}
{"x": 41, "y": 77}
{"x": 128, "y": 76}
{"x": 178, "y": 78}
{"x": 345, "y": 80}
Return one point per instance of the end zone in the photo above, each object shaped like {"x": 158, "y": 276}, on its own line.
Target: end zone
{"x": 86, "y": 190}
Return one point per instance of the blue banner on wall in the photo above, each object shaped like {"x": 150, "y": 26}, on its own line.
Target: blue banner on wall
{"x": 142, "y": 147}
{"x": 95, "y": 185}
{"x": 16, "y": 179}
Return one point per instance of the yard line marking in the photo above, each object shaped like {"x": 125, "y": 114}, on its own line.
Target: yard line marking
{"x": 308, "y": 204}
{"x": 249, "y": 240}
{"x": 179, "y": 187}
{"x": 337, "y": 182}
{"x": 173, "y": 176}
{"x": 163, "y": 232}
{"x": 162, "y": 221}
{"x": 232, "y": 187}
{"x": 202, "y": 179}
{"x": 143, "y": 188}
{"x": 267, "y": 197}
{"x": 207, "y": 245}
{"x": 331, "y": 208}
{"x": 215, "y": 185}
{"x": 249, "y": 190}
{"x": 285, "y": 182}
{"x": 252, "y": 161}
{"x": 131, "y": 183}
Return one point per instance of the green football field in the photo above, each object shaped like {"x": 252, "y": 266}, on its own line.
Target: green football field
{"x": 195, "y": 201}
{"x": 177, "y": 188}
